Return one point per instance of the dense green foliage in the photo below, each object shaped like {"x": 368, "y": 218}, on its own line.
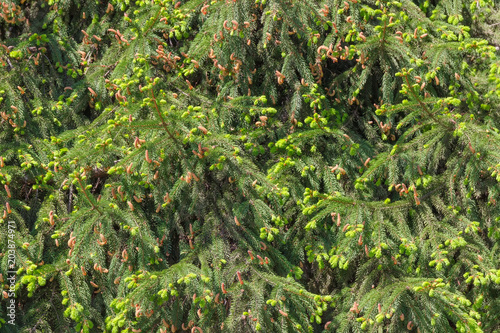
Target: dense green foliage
{"x": 268, "y": 165}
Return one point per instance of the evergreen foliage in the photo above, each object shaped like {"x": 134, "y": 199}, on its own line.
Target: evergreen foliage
{"x": 268, "y": 165}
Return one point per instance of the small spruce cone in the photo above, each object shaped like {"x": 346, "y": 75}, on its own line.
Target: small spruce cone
{"x": 239, "y": 277}
{"x": 203, "y": 129}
